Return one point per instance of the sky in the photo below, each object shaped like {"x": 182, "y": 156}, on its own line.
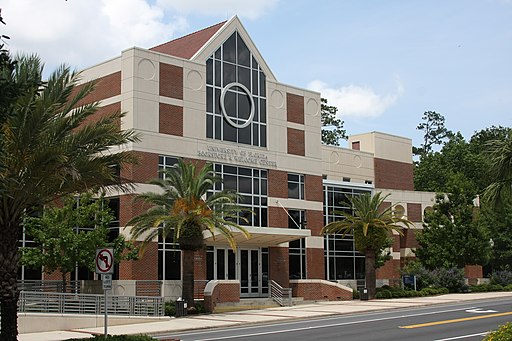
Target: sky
{"x": 381, "y": 63}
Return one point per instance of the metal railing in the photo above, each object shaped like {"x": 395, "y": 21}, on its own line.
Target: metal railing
{"x": 283, "y": 296}
{"x": 59, "y": 303}
{"x": 49, "y": 286}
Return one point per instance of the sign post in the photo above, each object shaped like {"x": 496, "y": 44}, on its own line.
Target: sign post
{"x": 105, "y": 267}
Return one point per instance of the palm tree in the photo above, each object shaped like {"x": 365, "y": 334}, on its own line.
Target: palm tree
{"x": 371, "y": 225}
{"x": 500, "y": 170}
{"x": 49, "y": 147}
{"x": 185, "y": 209}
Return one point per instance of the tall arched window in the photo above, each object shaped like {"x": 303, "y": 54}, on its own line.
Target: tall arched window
{"x": 236, "y": 95}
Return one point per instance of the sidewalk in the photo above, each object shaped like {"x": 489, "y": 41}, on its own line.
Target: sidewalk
{"x": 245, "y": 317}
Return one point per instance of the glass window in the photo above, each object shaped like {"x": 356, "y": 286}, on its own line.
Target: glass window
{"x": 297, "y": 248}
{"x": 251, "y": 184}
{"x": 342, "y": 261}
{"x": 169, "y": 259}
{"x": 296, "y": 186}
{"x": 234, "y": 62}
{"x": 165, "y": 162}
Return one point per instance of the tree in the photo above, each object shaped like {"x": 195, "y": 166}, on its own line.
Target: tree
{"x": 49, "y": 147}
{"x": 67, "y": 237}
{"x": 452, "y": 235}
{"x": 371, "y": 225}
{"x": 434, "y": 132}
{"x": 498, "y": 222}
{"x": 500, "y": 170}
{"x": 458, "y": 165}
{"x": 332, "y": 127}
{"x": 186, "y": 207}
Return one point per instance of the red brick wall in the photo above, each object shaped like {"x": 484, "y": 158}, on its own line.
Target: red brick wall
{"x": 279, "y": 261}
{"x": 315, "y": 221}
{"x": 396, "y": 242}
{"x": 393, "y": 174}
{"x": 314, "y": 188}
{"x": 105, "y": 87}
{"x": 55, "y": 276}
{"x": 103, "y": 111}
{"x": 170, "y": 119}
{"x": 296, "y": 142}
{"x": 200, "y": 265}
{"x": 390, "y": 270}
{"x": 295, "y": 108}
{"x": 408, "y": 240}
{"x": 414, "y": 212}
{"x": 171, "y": 81}
{"x": 315, "y": 268}
{"x": 277, "y": 217}
{"x": 473, "y": 271}
{"x": 384, "y": 205}
{"x": 146, "y": 268}
{"x": 223, "y": 292}
{"x": 145, "y": 170}
{"x": 321, "y": 290}
{"x": 277, "y": 184}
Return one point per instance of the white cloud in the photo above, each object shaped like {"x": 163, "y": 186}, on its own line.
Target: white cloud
{"x": 248, "y": 9}
{"x": 357, "y": 101}
{"x": 81, "y": 33}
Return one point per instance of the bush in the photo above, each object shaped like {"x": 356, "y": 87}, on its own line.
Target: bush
{"x": 452, "y": 279}
{"x": 501, "y": 277}
{"x": 383, "y": 294}
{"x": 170, "y": 308}
{"x": 118, "y": 338}
{"x": 504, "y": 333}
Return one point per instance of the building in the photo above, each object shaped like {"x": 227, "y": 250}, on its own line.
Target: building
{"x": 210, "y": 97}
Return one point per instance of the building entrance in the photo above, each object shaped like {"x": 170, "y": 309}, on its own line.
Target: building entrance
{"x": 248, "y": 265}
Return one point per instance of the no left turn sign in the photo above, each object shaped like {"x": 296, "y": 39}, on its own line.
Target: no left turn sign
{"x": 104, "y": 261}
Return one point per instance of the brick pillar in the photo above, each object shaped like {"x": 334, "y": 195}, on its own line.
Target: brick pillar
{"x": 199, "y": 273}
{"x": 279, "y": 261}
{"x": 315, "y": 263}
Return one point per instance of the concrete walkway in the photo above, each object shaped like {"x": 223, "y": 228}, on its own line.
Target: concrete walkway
{"x": 245, "y": 317}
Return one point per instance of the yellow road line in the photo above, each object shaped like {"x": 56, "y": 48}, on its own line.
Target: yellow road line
{"x": 428, "y": 324}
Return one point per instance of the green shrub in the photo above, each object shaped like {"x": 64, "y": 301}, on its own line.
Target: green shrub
{"x": 450, "y": 278}
{"x": 501, "y": 277}
{"x": 383, "y": 294}
{"x": 170, "y": 308}
{"x": 355, "y": 294}
{"x": 508, "y": 288}
{"x": 504, "y": 333}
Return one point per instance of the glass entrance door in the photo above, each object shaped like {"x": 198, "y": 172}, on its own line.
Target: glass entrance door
{"x": 249, "y": 266}
{"x": 253, "y": 272}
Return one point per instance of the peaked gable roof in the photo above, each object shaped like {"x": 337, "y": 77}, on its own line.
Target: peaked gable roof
{"x": 187, "y": 46}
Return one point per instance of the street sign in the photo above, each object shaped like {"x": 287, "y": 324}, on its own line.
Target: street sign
{"x": 104, "y": 261}
{"x": 107, "y": 281}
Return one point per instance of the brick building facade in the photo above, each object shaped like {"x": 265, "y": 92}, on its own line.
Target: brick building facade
{"x": 211, "y": 97}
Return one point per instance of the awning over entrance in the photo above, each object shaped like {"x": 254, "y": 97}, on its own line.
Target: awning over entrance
{"x": 260, "y": 237}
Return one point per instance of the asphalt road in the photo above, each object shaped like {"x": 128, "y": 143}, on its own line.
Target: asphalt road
{"x": 468, "y": 321}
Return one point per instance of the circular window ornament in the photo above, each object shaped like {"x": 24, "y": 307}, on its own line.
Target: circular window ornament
{"x": 223, "y": 108}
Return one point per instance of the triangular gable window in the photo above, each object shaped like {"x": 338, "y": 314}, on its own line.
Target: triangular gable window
{"x": 236, "y": 102}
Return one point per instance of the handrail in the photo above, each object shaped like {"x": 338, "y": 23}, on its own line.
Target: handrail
{"x": 283, "y": 296}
